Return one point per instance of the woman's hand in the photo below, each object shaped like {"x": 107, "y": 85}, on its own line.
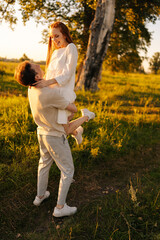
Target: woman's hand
{"x": 41, "y": 83}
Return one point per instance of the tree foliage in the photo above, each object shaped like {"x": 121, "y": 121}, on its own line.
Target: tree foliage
{"x": 130, "y": 33}
{"x": 128, "y": 62}
{"x": 155, "y": 63}
{"x": 7, "y": 11}
{"x": 78, "y": 14}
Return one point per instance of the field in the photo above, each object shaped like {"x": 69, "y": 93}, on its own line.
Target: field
{"x": 117, "y": 167}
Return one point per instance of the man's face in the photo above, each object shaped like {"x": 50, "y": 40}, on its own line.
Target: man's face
{"x": 38, "y": 70}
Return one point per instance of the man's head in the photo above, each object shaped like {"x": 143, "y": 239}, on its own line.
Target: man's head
{"x": 28, "y": 73}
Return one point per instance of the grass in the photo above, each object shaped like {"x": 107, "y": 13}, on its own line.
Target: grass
{"x": 117, "y": 165}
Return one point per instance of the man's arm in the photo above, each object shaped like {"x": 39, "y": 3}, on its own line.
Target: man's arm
{"x": 71, "y": 107}
{"x": 51, "y": 97}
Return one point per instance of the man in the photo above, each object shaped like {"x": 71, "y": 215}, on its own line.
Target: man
{"x": 44, "y": 103}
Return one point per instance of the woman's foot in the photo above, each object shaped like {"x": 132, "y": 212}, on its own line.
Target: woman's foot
{"x": 89, "y": 114}
{"x": 78, "y": 136}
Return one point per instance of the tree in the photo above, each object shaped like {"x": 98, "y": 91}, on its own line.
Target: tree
{"x": 24, "y": 58}
{"x": 101, "y": 29}
{"x": 128, "y": 62}
{"x": 130, "y": 33}
{"x": 155, "y": 63}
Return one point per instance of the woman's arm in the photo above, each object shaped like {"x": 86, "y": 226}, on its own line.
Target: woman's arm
{"x": 68, "y": 69}
{"x": 41, "y": 83}
{"x": 70, "y": 65}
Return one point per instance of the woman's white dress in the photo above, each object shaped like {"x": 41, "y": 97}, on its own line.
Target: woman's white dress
{"x": 62, "y": 67}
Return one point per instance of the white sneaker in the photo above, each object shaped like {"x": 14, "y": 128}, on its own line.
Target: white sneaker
{"x": 65, "y": 211}
{"x": 37, "y": 201}
{"x": 78, "y": 137}
{"x": 89, "y": 114}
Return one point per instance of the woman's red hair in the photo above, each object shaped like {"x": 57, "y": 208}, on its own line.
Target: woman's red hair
{"x": 65, "y": 31}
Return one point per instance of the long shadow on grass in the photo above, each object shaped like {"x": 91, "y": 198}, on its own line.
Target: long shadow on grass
{"x": 137, "y": 96}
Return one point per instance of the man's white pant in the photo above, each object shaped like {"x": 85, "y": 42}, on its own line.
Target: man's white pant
{"x": 55, "y": 149}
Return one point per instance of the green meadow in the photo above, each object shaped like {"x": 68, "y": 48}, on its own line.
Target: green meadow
{"x": 117, "y": 167}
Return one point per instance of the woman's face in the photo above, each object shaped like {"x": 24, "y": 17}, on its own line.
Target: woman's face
{"x": 59, "y": 40}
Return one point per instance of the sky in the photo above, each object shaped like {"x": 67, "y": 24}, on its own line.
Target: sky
{"x": 155, "y": 42}
{"x": 26, "y": 39}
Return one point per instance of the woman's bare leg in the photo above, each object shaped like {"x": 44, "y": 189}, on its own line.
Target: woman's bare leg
{"x": 71, "y": 127}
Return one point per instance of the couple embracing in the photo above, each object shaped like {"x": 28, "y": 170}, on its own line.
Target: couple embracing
{"x": 51, "y": 98}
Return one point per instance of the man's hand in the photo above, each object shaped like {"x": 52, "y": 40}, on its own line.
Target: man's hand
{"x": 72, "y": 108}
{"x": 71, "y": 117}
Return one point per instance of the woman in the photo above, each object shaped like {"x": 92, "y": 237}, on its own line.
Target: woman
{"x": 60, "y": 72}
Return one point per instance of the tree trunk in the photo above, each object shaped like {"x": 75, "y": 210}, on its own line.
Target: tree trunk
{"x": 101, "y": 28}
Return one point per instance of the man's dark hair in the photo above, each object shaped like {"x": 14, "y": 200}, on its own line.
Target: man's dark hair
{"x": 24, "y": 74}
